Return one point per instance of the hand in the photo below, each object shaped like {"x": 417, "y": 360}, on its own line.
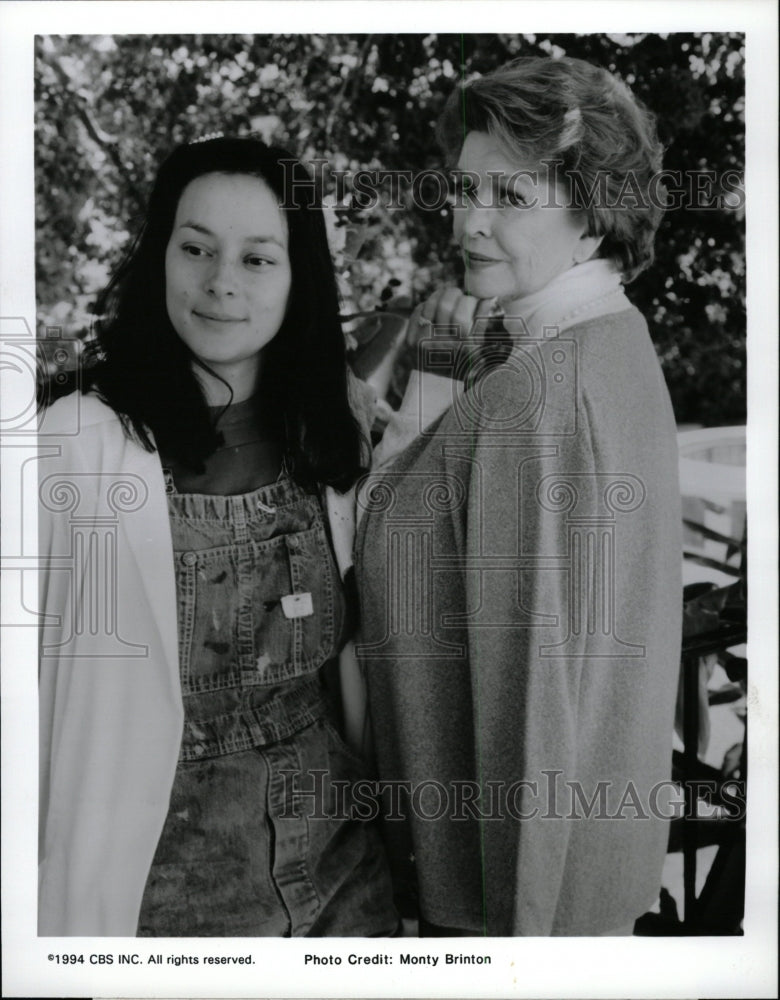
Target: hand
{"x": 448, "y": 307}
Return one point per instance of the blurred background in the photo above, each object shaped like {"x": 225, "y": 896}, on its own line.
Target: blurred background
{"x": 109, "y": 108}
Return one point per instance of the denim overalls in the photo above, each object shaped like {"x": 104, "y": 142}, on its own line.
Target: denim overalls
{"x": 259, "y": 839}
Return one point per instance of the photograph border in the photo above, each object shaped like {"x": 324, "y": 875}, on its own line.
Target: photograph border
{"x": 559, "y": 967}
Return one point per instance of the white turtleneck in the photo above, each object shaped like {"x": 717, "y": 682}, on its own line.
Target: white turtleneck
{"x": 593, "y": 288}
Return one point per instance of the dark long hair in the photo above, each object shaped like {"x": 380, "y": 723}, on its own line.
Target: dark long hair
{"x": 142, "y": 369}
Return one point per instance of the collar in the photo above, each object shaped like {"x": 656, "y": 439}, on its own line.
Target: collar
{"x": 586, "y": 290}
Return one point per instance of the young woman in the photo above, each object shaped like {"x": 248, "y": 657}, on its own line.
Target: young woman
{"x": 519, "y": 563}
{"x": 197, "y": 526}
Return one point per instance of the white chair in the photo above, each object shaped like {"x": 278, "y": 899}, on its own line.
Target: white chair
{"x": 713, "y": 488}
{"x": 712, "y": 484}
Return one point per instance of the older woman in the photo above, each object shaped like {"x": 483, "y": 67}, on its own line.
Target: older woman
{"x": 519, "y": 560}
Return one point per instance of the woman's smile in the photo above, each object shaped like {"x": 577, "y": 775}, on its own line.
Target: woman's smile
{"x": 211, "y": 317}
{"x": 479, "y": 260}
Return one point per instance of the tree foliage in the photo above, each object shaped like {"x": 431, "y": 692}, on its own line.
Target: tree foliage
{"x": 109, "y": 108}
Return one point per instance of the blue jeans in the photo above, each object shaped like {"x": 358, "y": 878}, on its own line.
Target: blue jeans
{"x": 259, "y": 839}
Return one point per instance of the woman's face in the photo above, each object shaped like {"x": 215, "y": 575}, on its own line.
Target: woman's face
{"x": 514, "y": 235}
{"x": 227, "y": 272}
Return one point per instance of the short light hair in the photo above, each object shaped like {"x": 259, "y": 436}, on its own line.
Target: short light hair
{"x": 588, "y": 122}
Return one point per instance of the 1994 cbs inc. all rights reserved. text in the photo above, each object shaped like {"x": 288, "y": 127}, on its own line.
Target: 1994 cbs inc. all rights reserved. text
{"x": 329, "y": 958}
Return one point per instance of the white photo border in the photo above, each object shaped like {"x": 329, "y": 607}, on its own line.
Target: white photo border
{"x": 577, "y": 967}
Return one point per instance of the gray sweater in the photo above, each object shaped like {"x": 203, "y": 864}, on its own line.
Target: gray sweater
{"x": 519, "y": 569}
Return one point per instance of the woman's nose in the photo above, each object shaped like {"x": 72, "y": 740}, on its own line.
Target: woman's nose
{"x": 474, "y": 220}
{"x": 220, "y": 279}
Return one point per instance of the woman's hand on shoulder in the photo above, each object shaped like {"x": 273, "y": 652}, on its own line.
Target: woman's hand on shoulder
{"x": 448, "y": 325}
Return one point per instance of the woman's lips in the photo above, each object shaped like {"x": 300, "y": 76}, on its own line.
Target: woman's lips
{"x": 216, "y": 317}
{"x": 479, "y": 260}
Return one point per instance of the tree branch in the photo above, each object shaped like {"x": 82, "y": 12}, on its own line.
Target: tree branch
{"x": 106, "y": 142}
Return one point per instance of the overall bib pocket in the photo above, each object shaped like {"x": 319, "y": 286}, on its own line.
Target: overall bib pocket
{"x": 258, "y": 612}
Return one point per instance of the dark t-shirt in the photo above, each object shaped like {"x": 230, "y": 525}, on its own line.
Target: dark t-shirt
{"x": 247, "y": 459}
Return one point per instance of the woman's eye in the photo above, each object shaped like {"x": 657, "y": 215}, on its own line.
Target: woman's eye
{"x": 516, "y": 199}
{"x": 257, "y": 262}
{"x": 192, "y": 250}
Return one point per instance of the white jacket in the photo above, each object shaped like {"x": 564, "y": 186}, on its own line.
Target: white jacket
{"x": 111, "y": 712}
